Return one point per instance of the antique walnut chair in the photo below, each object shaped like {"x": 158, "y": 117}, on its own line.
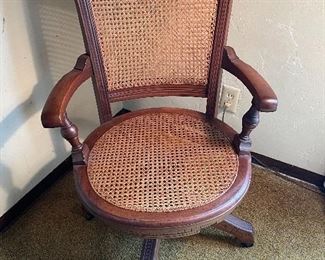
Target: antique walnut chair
{"x": 162, "y": 172}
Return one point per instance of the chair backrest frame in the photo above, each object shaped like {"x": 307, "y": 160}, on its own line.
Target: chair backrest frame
{"x": 104, "y": 96}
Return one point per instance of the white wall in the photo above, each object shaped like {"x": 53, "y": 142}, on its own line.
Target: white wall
{"x": 40, "y": 40}
{"x": 285, "y": 41}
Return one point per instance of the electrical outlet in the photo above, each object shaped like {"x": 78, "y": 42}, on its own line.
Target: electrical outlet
{"x": 230, "y": 97}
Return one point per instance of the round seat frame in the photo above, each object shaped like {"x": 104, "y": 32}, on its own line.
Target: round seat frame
{"x": 177, "y": 223}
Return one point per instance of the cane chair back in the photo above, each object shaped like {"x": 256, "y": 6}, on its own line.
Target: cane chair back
{"x": 142, "y": 48}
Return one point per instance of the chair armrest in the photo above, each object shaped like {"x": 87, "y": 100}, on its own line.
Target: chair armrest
{"x": 54, "y": 111}
{"x": 264, "y": 98}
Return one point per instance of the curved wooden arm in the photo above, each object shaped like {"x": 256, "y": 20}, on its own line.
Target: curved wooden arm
{"x": 54, "y": 111}
{"x": 264, "y": 98}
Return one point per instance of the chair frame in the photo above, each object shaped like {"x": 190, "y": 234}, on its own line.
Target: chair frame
{"x": 217, "y": 213}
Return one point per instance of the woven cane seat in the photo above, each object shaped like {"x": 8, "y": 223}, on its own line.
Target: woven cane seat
{"x": 162, "y": 162}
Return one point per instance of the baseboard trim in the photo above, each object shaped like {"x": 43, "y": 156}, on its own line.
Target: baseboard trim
{"x": 292, "y": 171}
{"x": 122, "y": 111}
{"x": 30, "y": 197}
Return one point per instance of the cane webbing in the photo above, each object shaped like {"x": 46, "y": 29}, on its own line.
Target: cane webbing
{"x": 162, "y": 162}
{"x": 146, "y": 42}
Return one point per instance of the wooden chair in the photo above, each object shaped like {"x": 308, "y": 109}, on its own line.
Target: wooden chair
{"x": 163, "y": 172}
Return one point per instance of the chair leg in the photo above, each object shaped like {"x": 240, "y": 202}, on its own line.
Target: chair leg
{"x": 87, "y": 215}
{"x": 150, "y": 249}
{"x": 239, "y": 228}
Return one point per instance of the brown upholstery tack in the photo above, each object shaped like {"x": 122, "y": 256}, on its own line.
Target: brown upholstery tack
{"x": 146, "y": 42}
{"x": 162, "y": 162}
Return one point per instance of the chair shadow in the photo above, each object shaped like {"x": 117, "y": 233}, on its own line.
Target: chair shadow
{"x": 214, "y": 235}
{"x": 55, "y": 43}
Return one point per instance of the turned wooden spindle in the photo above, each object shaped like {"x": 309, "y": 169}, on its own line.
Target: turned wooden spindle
{"x": 70, "y": 132}
{"x": 250, "y": 120}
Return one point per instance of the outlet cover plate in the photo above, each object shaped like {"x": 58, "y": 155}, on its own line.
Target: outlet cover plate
{"x": 230, "y": 94}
